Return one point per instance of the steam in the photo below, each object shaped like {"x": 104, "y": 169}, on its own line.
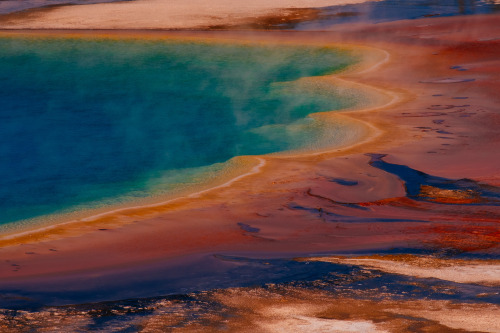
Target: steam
{"x": 113, "y": 115}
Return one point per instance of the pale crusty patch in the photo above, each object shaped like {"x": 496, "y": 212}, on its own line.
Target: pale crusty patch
{"x": 160, "y": 14}
{"x": 485, "y": 272}
{"x": 469, "y": 317}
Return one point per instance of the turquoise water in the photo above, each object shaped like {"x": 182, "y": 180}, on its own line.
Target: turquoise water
{"x": 89, "y": 122}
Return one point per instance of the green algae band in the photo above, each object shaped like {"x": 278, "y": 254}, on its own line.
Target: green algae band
{"x": 99, "y": 121}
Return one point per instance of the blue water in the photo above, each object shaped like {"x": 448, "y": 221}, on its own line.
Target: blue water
{"x": 394, "y": 10}
{"x": 96, "y": 122}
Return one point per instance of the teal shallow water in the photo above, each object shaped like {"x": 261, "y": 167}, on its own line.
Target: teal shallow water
{"x": 96, "y": 122}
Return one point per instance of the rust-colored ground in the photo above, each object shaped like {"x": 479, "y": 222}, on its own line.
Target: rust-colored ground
{"x": 430, "y": 179}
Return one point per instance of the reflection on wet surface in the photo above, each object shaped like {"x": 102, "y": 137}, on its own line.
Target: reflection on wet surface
{"x": 314, "y": 18}
{"x": 205, "y": 293}
{"x": 425, "y": 187}
{"x": 392, "y": 10}
{"x": 340, "y": 294}
{"x": 446, "y": 283}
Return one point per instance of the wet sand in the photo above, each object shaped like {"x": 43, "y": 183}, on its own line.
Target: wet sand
{"x": 428, "y": 180}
